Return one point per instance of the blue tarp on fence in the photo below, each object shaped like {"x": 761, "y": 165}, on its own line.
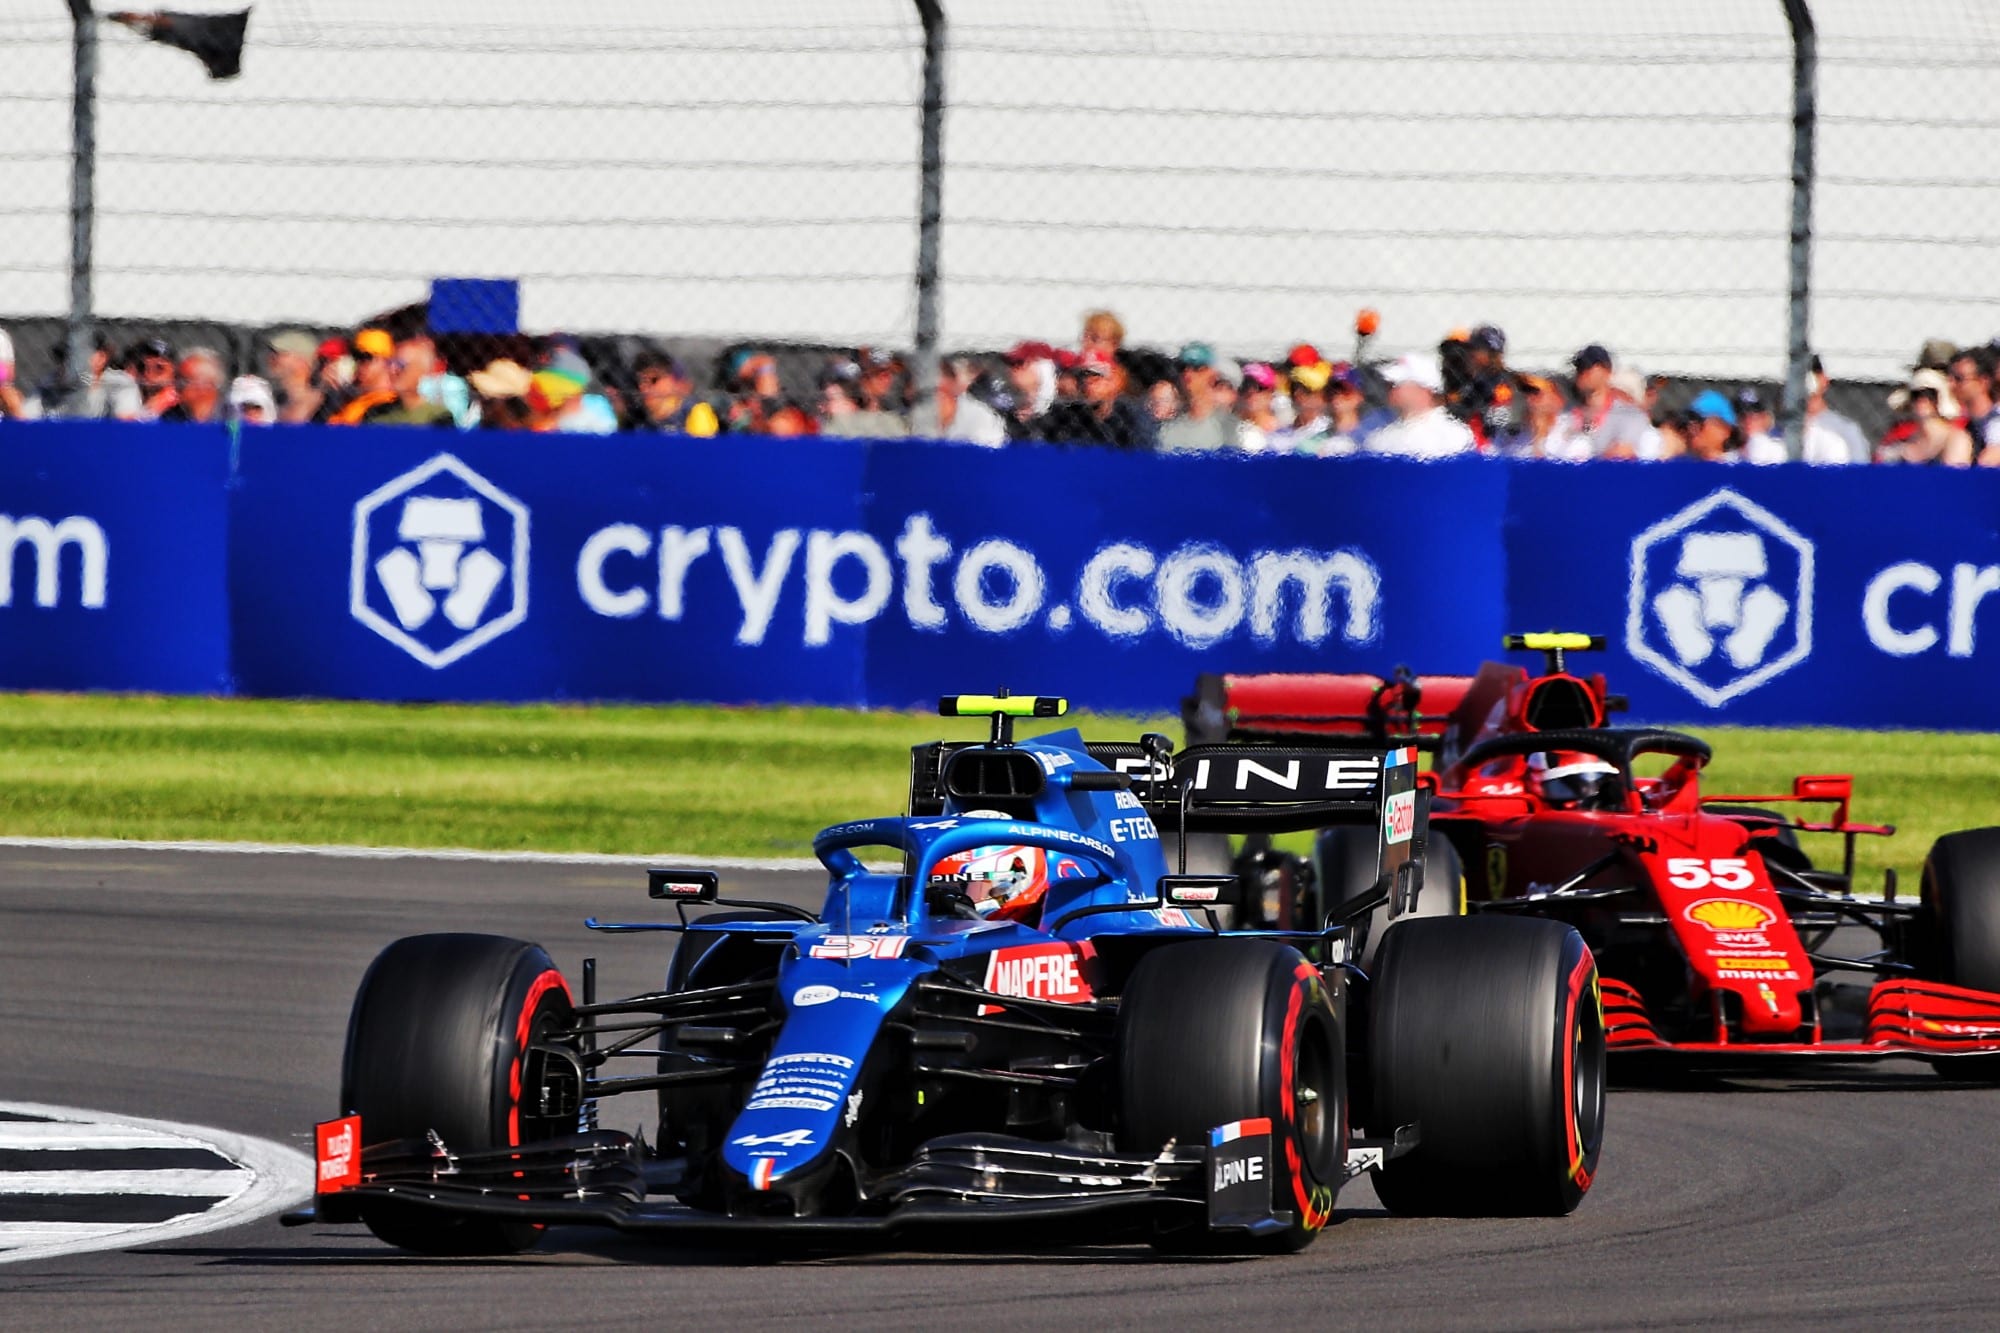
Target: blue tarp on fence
{"x": 390, "y": 564}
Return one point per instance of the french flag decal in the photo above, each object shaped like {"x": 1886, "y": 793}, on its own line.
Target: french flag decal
{"x": 1236, "y": 1130}
{"x": 760, "y": 1174}
{"x": 1397, "y": 758}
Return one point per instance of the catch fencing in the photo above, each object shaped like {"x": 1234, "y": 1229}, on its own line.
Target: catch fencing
{"x": 1572, "y": 172}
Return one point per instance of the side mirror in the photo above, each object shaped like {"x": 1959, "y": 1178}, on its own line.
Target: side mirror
{"x": 684, "y": 886}
{"x": 1201, "y": 890}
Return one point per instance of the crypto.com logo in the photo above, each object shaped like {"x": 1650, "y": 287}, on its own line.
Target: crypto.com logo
{"x": 1721, "y": 597}
{"x": 440, "y": 561}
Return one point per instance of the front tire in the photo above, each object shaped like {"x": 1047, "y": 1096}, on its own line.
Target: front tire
{"x": 435, "y": 1042}
{"x": 1487, "y": 1034}
{"x": 1958, "y": 926}
{"x": 1215, "y": 1031}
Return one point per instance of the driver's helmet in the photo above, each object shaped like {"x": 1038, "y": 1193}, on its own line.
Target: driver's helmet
{"x": 1006, "y": 883}
{"x": 1566, "y": 778}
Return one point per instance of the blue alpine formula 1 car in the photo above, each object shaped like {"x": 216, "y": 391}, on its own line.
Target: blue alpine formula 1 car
{"x": 1031, "y": 1022}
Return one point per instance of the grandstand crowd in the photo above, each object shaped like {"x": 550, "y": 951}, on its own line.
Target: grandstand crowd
{"x": 1464, "y": 398}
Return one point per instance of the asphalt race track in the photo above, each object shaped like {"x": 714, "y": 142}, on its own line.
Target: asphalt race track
{"x": 212, "y": 990}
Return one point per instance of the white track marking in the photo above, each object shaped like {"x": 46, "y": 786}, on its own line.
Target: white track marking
{"x": 190, "y": 1184}
{"x": 415, "y": 853}
{"x": 61, "y": 1136}
{"x": 270, "y": 1179}
{"x": 14, "y": 1234}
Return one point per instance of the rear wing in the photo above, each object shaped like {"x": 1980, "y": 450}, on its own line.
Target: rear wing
{"x": 1359, "y": 710}
{"x": 1238, "y": 788}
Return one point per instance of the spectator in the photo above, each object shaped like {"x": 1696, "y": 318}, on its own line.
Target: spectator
{"x": 1971, "y": 375}
{"x": 1312, "y": 432}
{"x": 1069, "y": 383}
{"x": 200, "y": 389}
{"x": 414, "y": 362}
{"x": 1478, "y": 388}
{"x": 1163, "y": 402}
{"x": 1627, "y": 431}
{"x": 1256, "y": 408}
{"x": 290, "y": 359}
{"x": 437, "y": 384}
{"x": 564, "y": 380}
{"x": 1535, "y": 423}
{"x": 1756, "y": 420}
{"x": 151, "y": 363}
{"x": 1099, "y": 415}
{"x": 1930, "y": 434}
{"x": 1712, "y": 435}
{"x": 788, "y": 418}
{"x": 880, "y": 391}
{"x": 558, "y": 398}
{"x": 373, "y": 389}
{"x": 838, "y": 390}
{"x": 846, "y": 395}
{"x": 1675, "y": 428}
{"x": 754, "y": 388}
{"x": 13, "y": 407}
{"x": 1344, "y": 401}
{"x": 1103, "y": 336}
{"x": 1829, "y": 437}
{"x": 1204, "y": 425}
{"x": 667, "y": 402}
{"x": 251, "y": 402}
{"x": 1591, "y": 383}
{"x": 111, "y": 394}
{"x": 503, "y": 395}
{"x": 1031, "y": 385}
{"x": 954, "y": 414}
{"x": 1422, "y": 428}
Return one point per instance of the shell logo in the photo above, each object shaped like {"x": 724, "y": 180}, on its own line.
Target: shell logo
{"x": 1729, "y": 914}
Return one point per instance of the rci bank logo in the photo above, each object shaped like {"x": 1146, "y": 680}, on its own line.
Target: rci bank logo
{"x": 1721, "y": 598}
{"x": 440, "y": 561}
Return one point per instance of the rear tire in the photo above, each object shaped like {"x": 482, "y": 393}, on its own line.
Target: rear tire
{"x": 1958, "y": 928}
{"x": 434, "y": 1043}
{"x": 1345, "y": 866}
{"x": 1487, "y": 1033}
{"x": 1215, "y": 1031}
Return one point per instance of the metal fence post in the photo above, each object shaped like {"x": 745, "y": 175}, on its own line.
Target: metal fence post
{"x": 930, "y": 199}
{"x": 82, "y": 203}
{"x": 1805, "y": 117}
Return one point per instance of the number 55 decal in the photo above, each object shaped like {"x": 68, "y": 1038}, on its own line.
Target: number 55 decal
{"x": 1724, "y": 872}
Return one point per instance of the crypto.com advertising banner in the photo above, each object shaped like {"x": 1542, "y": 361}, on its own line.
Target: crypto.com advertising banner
{"x": 112, "y": 566}
{"x": 1848, "y": 596}
{"x": 398, "y": 564}
{"x": 830, "y": 572}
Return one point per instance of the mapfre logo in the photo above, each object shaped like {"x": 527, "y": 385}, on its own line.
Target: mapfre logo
{"x": 1721, "y": 597}
{"x": 440, "y": 561}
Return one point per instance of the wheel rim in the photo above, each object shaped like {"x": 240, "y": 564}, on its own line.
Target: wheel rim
{"x": 1316, "y": 1101}
{"x": 1587, "y": 1081}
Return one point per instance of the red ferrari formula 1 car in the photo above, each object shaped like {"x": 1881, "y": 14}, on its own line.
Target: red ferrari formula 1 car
{"x": 1718, "y": 939}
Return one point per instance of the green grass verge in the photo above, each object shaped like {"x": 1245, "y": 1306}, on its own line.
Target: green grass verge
{"x": 708, "y": 781}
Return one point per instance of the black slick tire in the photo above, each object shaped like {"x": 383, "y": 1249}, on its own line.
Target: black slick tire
{"x": 1488, "y": 1035}
{"x": 1957, "y": 935}
{"x": 1345, "y": 860}
{"x": 434, "y": 1044}
{"x": 1215, "y": 1031}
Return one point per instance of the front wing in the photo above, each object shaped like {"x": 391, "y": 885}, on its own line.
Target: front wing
{"x": 1926, "y": 1019}
{"x": 983, "y": 1181}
